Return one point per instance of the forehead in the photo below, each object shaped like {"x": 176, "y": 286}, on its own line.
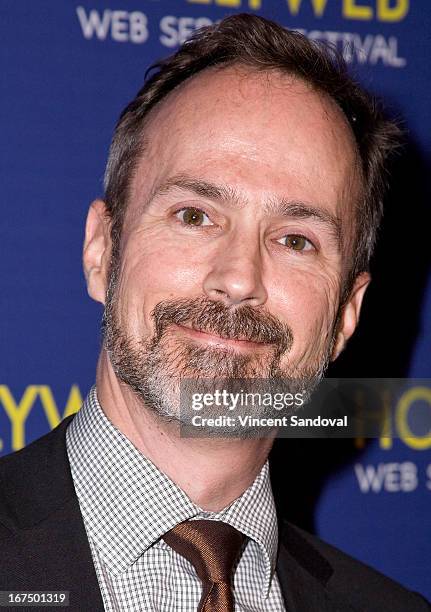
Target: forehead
{"x": 262, "y": 133}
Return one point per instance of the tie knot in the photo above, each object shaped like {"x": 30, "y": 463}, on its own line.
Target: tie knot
{"x": 211, "y": 546}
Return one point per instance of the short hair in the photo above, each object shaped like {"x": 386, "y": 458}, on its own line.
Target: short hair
{"x": 262, "y": 45}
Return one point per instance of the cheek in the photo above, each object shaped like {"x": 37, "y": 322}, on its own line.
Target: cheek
{"x": 155, "y": 270}
{"x": 166, "y": 271}
{"x": 307, "y": 302}
{"x": 166, "y": 261}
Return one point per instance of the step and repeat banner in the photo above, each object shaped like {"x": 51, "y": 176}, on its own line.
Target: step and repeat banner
{"x": 68, "y": 69}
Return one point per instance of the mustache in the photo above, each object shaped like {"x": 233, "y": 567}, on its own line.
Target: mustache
{"x": 214, "y": 317}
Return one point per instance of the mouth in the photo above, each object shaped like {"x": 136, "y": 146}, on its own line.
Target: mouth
{"x": 212, "y": 339}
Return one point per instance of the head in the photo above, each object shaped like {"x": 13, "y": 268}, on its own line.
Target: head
{"x": 243, "y": 193}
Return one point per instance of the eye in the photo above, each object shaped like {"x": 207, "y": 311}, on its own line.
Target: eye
{"x": 193, "y": 216}
{"x": 296, "y": 242}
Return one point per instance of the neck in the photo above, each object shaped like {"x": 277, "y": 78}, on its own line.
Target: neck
{"x": 212, "y": 472}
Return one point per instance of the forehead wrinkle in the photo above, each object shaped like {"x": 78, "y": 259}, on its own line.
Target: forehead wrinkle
{"x": 221, "y": 193}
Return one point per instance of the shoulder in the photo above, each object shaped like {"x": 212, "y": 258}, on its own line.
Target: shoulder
{"x": 34, "y": 479}
{"x": 350, "y": 580}
{"x": 30, "y": 456}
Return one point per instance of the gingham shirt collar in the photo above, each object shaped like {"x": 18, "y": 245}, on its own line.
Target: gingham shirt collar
{"x": 127, "y": 503}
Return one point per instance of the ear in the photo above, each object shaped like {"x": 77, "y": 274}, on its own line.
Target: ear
{"x": 350, "y": 313}
{"x": 97, "y": 250}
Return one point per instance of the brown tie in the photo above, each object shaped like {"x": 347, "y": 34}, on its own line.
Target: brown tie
{"x": 212, "y": 547}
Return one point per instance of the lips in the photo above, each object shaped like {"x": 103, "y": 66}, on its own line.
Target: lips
{"x": 228, "y": 339}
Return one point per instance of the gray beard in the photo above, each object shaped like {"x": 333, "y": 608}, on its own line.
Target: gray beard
{"x": 164, "y": 371}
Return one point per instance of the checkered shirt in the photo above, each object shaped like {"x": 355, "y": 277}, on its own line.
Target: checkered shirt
{"x": 127, "y": 504}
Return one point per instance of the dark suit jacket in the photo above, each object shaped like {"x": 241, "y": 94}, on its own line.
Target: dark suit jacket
{"x": 43, "y": 545}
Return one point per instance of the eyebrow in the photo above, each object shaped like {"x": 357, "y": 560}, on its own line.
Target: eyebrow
{"x": 229, "y": 196}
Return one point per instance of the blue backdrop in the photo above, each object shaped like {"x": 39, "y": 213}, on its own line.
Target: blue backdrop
{"x": 68, "y": 69}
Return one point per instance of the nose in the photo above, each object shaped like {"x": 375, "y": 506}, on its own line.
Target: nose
{"x": 236, "y": 274}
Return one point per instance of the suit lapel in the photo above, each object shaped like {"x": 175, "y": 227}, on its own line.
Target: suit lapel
{"x": 303, "y": 575}
{"x": 44, "y": 534}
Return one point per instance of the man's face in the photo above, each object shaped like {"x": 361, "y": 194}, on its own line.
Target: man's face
{"x": 236, "y": 237}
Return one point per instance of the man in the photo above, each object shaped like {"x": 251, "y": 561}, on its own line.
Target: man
{"x": 243, "y": 192}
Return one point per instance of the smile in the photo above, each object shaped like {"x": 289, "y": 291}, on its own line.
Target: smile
{"x": 214, "y": 340}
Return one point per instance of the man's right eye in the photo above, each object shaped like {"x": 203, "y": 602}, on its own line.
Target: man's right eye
{"x": 193, "y": 216}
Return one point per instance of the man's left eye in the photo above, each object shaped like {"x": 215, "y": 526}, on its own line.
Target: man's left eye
{"x": 193, "y": 216}
{"x": 296, "y": 242}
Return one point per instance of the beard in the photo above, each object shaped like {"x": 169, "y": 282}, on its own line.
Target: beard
{"x": 165, "y": 370}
